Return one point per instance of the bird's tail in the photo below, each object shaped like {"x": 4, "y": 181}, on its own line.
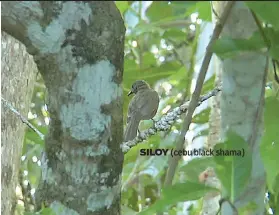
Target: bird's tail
{"x": 131, "y": 129}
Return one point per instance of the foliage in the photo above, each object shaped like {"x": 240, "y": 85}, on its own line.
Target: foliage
{"x": 177, "y": 193}
{"x": 160, "y": 47}
{"x": 270, "y": 144}
{"x": 233, "y": 165}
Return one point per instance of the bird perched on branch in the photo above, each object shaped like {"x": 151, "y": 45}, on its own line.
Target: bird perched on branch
{"x": 143, "y": 106}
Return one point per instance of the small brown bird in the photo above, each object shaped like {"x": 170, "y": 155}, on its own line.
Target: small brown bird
{"x": 143, "y": 106}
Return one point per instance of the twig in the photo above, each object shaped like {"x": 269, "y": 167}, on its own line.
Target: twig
{"x": 24, "y": 120}
{"x": 258, "y": 23}
{"x": 252, "y": 139}
{"x": 267, "y": 42}
{"x": 195, "y": 96}
{"x": 165, "y": 122}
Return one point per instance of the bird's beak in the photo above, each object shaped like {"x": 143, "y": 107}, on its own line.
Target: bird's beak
{"x": 131, "y": 92}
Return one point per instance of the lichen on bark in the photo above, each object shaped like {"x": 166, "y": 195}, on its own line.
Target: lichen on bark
{"x": 79, "y": 50}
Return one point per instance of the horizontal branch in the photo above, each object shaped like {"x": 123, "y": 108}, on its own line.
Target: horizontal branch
{"x": 165, "y": 122}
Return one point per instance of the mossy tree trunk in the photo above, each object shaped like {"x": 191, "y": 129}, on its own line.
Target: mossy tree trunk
{"x": 79, "y": 49}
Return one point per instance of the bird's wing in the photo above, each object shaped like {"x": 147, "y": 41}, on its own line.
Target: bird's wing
{"x": 131, "y": 109}
{"x": 143, "y": 105}
{"x": 148, "y": 104}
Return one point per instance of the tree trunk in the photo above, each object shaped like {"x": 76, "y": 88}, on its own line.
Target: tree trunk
{"x": 241, "y": 102}
{"x": 79, "y": 50}
{"x": 17, "y": 84}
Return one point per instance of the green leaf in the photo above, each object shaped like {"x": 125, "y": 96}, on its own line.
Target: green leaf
{"x": 151, "y": 74}
{"x": 276, "y": 188}
{"x": 203, "y": 8}
{"x": 47, "y": 211}
{"x": 126, "y": 210}
{"x": 227, "y": 47}
{"x": 266, "y": 11}
{"x": 130, "y": 66}
{"x": 159, "y": 10}
{"x": 208, "y": 85}
{"x": 34, "y": 150}
{"x": 122, "y": 6}
{"x": 178, "y": 193}
{"x": 273, "y": 37}
{"x": 34, "y": 137}
{"x": 180, "y": 7}
{"x": 34, "y": 172}
{"x": 203, "y": 132}
{"x": 197, "y": 165}
{"x": 142, "y": 28}
{"x": 251, "y": 206}
{"x": 270, "y": 141}
{"x": 233, "y": 160}
{"x": 43, "y": 129}
{"x": 175, "y": 78}
{"x": 174, "y": 34}
{"x": 202, "y": 117}
{"x": 148, "y": 59}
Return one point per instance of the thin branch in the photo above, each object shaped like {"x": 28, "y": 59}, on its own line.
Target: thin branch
{"x": 267, "y": 42}
{"x": 195, "y": 96}
{"x": 258, "y": 23}
{"x": 252, "y": 139}
{"x": 165, "y": 122}
{"x": 23, "y": 119}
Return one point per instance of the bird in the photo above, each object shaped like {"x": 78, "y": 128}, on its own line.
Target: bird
{"x": 143, "y": 106}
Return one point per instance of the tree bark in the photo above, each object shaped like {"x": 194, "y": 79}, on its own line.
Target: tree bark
{"x": 241, "y": 103}
{"x": 17, "y": 84}
{"x": 79, "y": 50}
